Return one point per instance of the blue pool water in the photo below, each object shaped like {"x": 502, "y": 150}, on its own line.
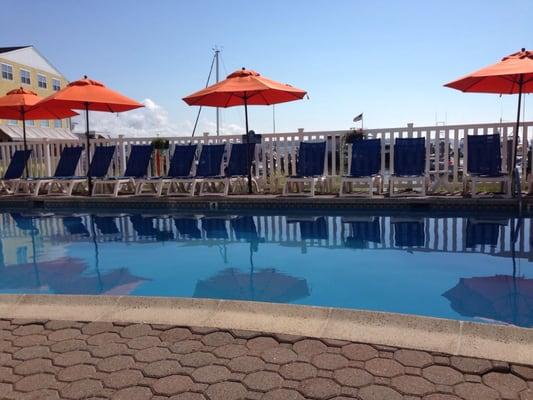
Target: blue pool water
{"x": 459, "y": 267}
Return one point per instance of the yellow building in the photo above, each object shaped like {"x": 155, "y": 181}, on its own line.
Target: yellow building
{"x": 25, "y": 67}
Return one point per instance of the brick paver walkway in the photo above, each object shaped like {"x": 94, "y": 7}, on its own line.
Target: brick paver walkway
{"x": 121, "y": 361}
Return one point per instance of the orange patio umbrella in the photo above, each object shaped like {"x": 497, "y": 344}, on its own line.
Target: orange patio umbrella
{"x": 21, "y": 105}
{"x": 87, "y": 94}
{"x": 512, "y": 75}
{"x": 244, "y": 88}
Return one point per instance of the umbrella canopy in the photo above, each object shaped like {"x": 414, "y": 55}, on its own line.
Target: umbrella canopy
{"x": 21, "y": 105}
{"x": 264, "y": 285}
{"x": 512, "y": 75}
{"x": 501, "y": 298}
{"x": 87, "y": 94}
{"x": 243, "y": 88}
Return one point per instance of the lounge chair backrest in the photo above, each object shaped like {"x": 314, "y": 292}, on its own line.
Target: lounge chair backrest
{"x": 409, "y": 234}
{"x": 182, "y": 160}
{"x": 484, "y": 155}
{"x": 17, "y": 164}
{"x": 367, "y": 231}
{"x": 188, "y": 227}
{"x": 139, "y": 160}
{"x": 317, "y": 229}
{"x": 215, "y": 228}
{"x": 366, "y": 158}
{"x": 68, "y": 162}
{"x": 106, "y": 225}
{"x": 484, "y": 233}
{"x": 101, "y": 160}
{"x": 24, "y": 223}
{"x": 311, "y": 157}
{"x": 210, "y": 161}
{"x": 238, "y": 159}
{"x": 410, "y": 157}
{"x": 244, "y": 228}
{"x": 75, "y": 226}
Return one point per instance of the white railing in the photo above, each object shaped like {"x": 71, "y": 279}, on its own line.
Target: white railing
{"x": 440, "y": 235}
{"x": 445, "y": 153}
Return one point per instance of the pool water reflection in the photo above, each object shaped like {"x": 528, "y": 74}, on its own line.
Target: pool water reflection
{"x": 459, "y": 267}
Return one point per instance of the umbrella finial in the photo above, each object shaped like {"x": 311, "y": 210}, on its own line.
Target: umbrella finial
{"x": 243, "y": 68}
{"x": 84, "y": 76}
{"x": 523, "y": 49}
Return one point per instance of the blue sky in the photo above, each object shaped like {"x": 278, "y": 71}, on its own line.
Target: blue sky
{"x": 388, "y": 59}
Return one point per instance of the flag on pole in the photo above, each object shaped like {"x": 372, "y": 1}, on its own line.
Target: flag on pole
{"x": 358, "y": 118}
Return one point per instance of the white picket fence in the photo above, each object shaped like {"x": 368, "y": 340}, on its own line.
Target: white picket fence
{"x": 445, "y": 157}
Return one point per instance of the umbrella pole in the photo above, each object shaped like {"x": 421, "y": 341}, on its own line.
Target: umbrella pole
{"x": 89, "y": 180}
{"x": 515, "y": 178}
{"x": 248, "y": 161}
{"x": 24, "y": 140}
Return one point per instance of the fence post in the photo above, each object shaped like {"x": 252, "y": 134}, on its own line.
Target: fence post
{"x": 122, "y": 154}
{"x": 47, "y": 166}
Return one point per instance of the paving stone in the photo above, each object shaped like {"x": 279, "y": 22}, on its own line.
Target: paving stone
{"x": 507, "y": 384}
{"x": 279, "y": 355}
{"x": 122, "y": 379}
{"x": 282, "y": 394}
{"x": 42, "y": 394}
{"x": 230, "y": 351}
{"x": 470, "y": 365}
{"x": 472, "y": 378}
{"x": 188, "y": 396}
{"x": 35, "y": 382}
{"x": 172, "y": 384}
{"x": 135, "y": 330}
{"x": 226, "y": 391}
{"x": 527, "y": 394}
{"x": 359, "y": 352}
{"x": 319, "y": 388}
{"x": 82, "y": 389}
{"x": 523, "y": 371}
{"x": 246, "y": 364}
{"x": 57, "y": 325}
{"x": 500, "y": 366}
{"x": 376, "y": 392}
{"x": 414, "y": 385}
{"x": 133, "y": 393}
{"x": 7, "y": 375}
{"x": 441, "y": 396}
{"x": 211, "y": 374}
{"x": 475, "y": 391}
{"x": 115, "y": 363}
{"x": 71, "y": 358}
{"x": 309, "y": 347}
{"x": 64, "y": 334}
{"x": 186, "y": 346}
{"x": 261, "y": 343}
{"x": 36, "y": 365}
{"x": 68, "y": 345}
{"x": 298, "y": 371}
{"x": 76, "y": 372}
{"x": 175, "y": 335}
{"x": 94, "y": 328}
{"x": 286, "y": 338}
{"x": 28, "y": 340}
{"x": 197, "y": 359}
{"x": 152, "y": 354}
{"x": 441, "y": 360}
{"x": 329, "y": 361}
{"x": 442, "y": 375}
{"x": 384, "y": 367}
{"x": 28, "y": 330}
{"x": 103, "y": 338}
{"x": 413, "y": 358}
{"x": 244, "y": 334}
{"x": 216, "y": 339}
{"x": 263, "y": 381}
{"x": 31, "y": 352}
{"x": 109, "y": 350}
{"x": 144, "y": 342}
{"x": 353, "y": 377}
{"x": 159, "y": 369}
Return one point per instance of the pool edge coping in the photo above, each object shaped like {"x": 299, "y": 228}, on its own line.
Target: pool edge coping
{"x": 462, "y": 338}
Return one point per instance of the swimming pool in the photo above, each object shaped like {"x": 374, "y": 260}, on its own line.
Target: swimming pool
{"x": 452, "y": 266}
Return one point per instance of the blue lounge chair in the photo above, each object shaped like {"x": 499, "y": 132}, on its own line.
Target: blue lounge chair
{"x": 188, "y": 227}
{"x": 75, "y": 227}
{"x": 310, "y": 167}
{"x": 483, "y": 232}
{"x": 483, "y": 163}
{"x": 106, "y": 225}
{"x": 144, "y": 226}
{"x": 136, "y": 168}
{"x": 102, "y": 157}
{"x": 408, "y": 232}
{"x": 311, "y": 228}
{"x": 66, "y": 168}
{"x": 236, "y": 174}
{"x": 181, "y": 167}
{"x": 365, "y": 168}
{"x": 215, "y": 228}
{"x": 24, "y": 223}
{"x": 209, "y": 166}
{"x": 409, "y": 167}
{"x": 364, "y": 231}
{"x": 14, "y": 171}
{"x": 244, "y": 228}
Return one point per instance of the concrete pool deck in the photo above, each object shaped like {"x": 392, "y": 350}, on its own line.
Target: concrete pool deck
{"x": 100, "y": 347}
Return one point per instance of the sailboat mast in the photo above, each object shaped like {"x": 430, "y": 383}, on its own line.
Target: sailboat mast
{"x": 217, "y": 51}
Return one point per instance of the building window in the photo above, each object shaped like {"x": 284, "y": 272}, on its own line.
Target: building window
{"x": 30, "y": 123}
{"x": 41, "y": 81}
{"x": 7, "y": 72}
{"x": 25, "y": 77}
{"x": 12, "y": 122}
{"x": 57, "y": 123}
{"x": 45, "y": 124}
{"x": 56, "y": 84}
